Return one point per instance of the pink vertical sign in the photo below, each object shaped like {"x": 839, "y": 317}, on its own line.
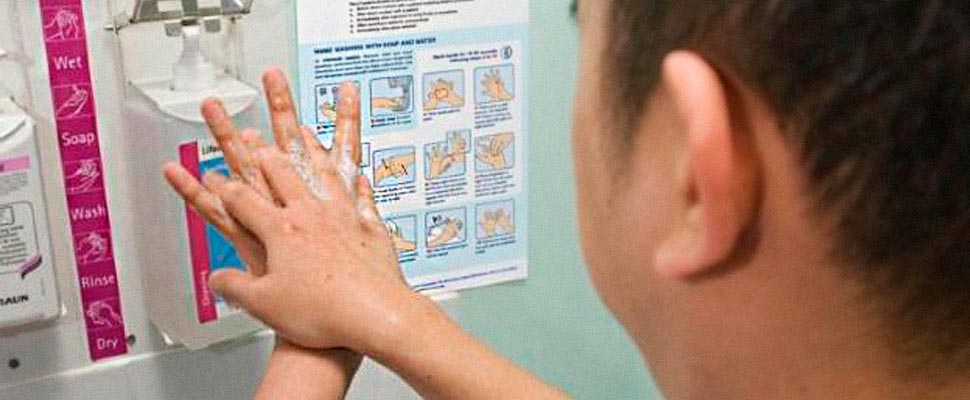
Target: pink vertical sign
{"x": 76, "y": 123}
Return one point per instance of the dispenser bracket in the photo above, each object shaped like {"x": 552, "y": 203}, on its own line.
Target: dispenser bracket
{"x": 175, "y": 13}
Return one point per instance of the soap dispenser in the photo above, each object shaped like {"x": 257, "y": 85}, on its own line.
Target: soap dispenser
{"x": 28, "y": 290}
{"x": 177, "y": 249}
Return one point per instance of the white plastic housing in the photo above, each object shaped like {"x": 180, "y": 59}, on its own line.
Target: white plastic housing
{"x": 161, "y": 121}
{"x": 28, "y": 291}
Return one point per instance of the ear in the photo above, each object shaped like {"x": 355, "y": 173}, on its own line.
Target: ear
{"x": 718, "y": 185}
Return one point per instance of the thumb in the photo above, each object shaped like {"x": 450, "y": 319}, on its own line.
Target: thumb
{"x": 237, "y": 287}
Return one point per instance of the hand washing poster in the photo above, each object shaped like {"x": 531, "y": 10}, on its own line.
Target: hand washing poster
{"x": 444, "y": 93}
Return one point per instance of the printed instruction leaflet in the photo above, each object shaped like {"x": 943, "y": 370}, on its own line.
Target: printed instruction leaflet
{"x": 444, "y": 92}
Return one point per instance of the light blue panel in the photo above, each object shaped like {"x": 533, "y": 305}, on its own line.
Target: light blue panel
{"x": 553, "y": 324}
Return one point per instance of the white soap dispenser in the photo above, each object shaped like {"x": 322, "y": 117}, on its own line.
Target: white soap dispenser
{"x": 28, "y": 290}
{"x": 177, "y": 249}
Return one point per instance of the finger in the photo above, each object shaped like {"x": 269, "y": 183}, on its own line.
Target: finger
{"x": 254, "y": 143}
{"x": 250, "y": 250}
{"x": 195, "y": 194}
{"x": 249, "y": 166}
{"x": 224, "y": 132}
{"x": 290, "y": 183}
{"x": 347, "y": 138}
{"x": 210, "y": 207}
{"x": 283, "y": 114}
{"x": 315, "y": 152}
{"x": 238, "y": 288}
{"x": 252, "y": 211}
{"x": 365, "y": 202}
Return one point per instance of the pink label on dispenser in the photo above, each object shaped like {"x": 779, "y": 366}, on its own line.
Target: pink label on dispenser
{"x": 205, "y": 301}
{"x": 15, "y": 164}
{"x": 72, "y": 94}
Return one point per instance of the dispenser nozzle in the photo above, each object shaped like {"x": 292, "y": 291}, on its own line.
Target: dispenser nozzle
{"x": 192, "y": 72}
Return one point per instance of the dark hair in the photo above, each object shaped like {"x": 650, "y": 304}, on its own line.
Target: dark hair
{"x": 875, "y": 95}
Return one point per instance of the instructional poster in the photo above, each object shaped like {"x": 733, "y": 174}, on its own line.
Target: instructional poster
{"x": 444, "y": 93}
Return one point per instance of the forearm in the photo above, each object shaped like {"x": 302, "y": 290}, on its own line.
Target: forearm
{"x": 300, "y": 374}
{"x": 442, "y": 361}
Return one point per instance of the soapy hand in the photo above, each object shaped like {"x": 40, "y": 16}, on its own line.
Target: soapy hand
{"x": 332, "y": 275}
{"x": 324, "y": 271}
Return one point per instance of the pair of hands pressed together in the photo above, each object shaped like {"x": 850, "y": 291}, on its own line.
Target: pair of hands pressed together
{"x": 315, "y": 263}
{"x": 323, "y": 270}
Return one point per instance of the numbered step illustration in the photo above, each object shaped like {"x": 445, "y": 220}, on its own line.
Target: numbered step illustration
{"x": 495, "y": 84}
{"x": 404, "y": 234}
{"x": 444, "y": 90}
{"x": 447, "y": 158}
{"x": 327, "y": 98}
{"x": 495, "y": 219}
{"x": 495, "y": 152}
{"x": 394, "y": 166}
{"x": 445, "y": 229}
{"x": 391, "y": 101}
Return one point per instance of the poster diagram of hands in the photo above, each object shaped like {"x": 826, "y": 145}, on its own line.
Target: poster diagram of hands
{"x": 495, "y": 84}
{"x": 444, "y": 133}
{"x": 327, "y": 96}
{"x": 394, "y": 166}
{"x": 495, "y": 152}
{"x": 446, "y": 159}
{"x": 403, "y": 232}
{"x": 444, "y": 90}
{"x": 445, "y": 227}
{"x": 496, "y": 219}
{"x": 391, "y": 95}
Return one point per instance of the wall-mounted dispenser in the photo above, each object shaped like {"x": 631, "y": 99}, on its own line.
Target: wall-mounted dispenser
{"x": 178, "y": 250}
{"x": 28, "y": 290}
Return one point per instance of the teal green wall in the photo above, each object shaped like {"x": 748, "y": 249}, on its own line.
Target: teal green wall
{"x": 553, "y": 324}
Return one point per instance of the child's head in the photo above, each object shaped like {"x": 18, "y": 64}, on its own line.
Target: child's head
{"x": 794, "y": 148}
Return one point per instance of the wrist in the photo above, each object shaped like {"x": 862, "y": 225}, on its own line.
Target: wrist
{"x": 401, "y": 330}
{"x": 345, "y": 359}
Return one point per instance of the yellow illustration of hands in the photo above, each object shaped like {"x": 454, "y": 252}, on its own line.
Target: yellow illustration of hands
{"x": 495, "y": 87}
{"x": 497, "y": 221}
{"x": 386, "y": 103}
{"x": 329, "y": 111}
{"x": 401, "y": 243}
{"x": 450, "y": 231}
{"x": 394, "y": 167}
{"x": 492, "y": 153}
{"x": 440, "y": 161}
{"x": 443, "y": 92}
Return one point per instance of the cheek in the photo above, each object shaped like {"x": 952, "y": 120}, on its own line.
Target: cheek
{"x": 599, "y": 231}
{"x": 585, "y": 164}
